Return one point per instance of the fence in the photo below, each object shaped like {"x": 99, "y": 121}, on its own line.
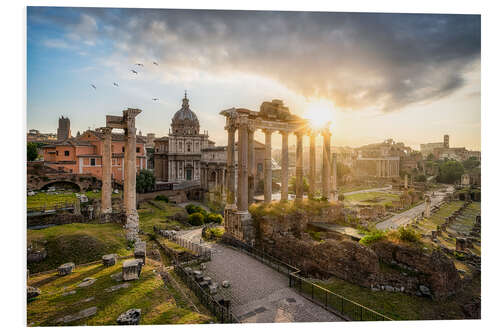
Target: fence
{"x": 222, "y": 313}
{"x": 339, "y": 305}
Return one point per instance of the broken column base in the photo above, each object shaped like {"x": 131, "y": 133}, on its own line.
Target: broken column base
{"x": 239, "y": 225}
{"x": 132, "y": 226}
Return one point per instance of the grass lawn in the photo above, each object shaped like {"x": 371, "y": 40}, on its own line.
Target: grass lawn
{"x": 77, "y": 242}
{"x": 400, "y": 306}
{"x": 157, "y": 214}
{"x": 44, "y": 199}
{"x": 371, "y": 198}
{"x": 351, "y": 188}
{"x": 157, "y": 302}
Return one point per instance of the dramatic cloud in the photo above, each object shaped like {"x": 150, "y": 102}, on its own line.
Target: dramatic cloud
{"x": 360, "y": 61}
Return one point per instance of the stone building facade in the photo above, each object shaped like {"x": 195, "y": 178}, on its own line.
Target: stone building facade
{"x": 64, "y": 129}
{"x": 84, "y": 154}
{"x": 177, "y": 156}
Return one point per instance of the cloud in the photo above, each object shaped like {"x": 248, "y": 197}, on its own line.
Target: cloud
{"x": 358, "y": 60}
{"x": 56, "y": 43}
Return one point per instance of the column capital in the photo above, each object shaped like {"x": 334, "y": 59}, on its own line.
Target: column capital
{"x": 267, "y": 130}
{"x": 251, "y": 128}
{"x": 326, "y": 132}
{"x": 284, "y": 132}
{"x": 299, "y": 133}
{"x": 130, "y": 113}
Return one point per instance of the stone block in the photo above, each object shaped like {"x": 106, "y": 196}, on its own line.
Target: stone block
{"x": 140, "y": 251}
{"x": 131, "y": 269}
{"x": 204, "y": 284}
{"x": 109, "y": 259}
{"x": 32, "y": 292}
{"x": 460, "y": 244}
{"x": 130, "y": 317}
{"x": 226, "y": 284}
{"x": 212, "y": 289}
{"x": 87, "y": 282}
{"x": 66, "y": 268}
{"x": 208, "y": 279}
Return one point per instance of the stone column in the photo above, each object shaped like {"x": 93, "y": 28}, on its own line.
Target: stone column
{"x": 427, "y": 207}
{"x": 251, "y": 165}
{"x": 107, "y": 189}
{"x": 312, "y": 164}
{"x": 268, "y": 172}
{"x": 406, "y": 181}
{"x": 284, "y": 165}
{"x": 325, "y": 180}
{"x": 334, "y": 177}
{"x": 299, "y": 167}
{"x": 132, "y": 224}
{"x": 242, "y": 202}
{"x": 230, "y": 167}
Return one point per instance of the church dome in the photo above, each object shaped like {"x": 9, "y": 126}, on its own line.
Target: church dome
{"x": 185, "y": 121}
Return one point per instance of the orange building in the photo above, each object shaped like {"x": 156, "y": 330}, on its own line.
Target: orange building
{"x": 83, "y": 154}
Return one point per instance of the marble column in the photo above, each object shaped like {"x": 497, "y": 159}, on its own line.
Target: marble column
{"x": 284, "y": 165}
{"x": 242, "y": 202}
{"x": 268, "y": 172}
{"x": 107, "y": 188}
{"x": 132, "y": 224}
{"x": 251, "y": 165}
{"x": 325, "y": 180}
{"x": 334, "y": 177}
{"x": 299, "y": 169}
{"x": 312, "y": 165}
{"x": 230, "y": 166}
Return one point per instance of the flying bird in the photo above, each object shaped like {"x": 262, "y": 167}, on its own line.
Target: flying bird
{"x": 115, "y": 84}
{"x": 155, "y": 63}
{"x": 139, "y": 65}
{"x": 156, "y": 99}
{"x": 93, "y": 86}
{"x": 134, "y": 71}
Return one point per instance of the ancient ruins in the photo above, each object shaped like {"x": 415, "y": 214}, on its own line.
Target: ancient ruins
{"x": 272, "y": 117}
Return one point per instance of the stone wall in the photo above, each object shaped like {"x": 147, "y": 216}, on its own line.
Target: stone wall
{"x": 173, "y": 196}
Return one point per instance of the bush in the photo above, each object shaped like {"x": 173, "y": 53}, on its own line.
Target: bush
{"x": 408, "y": 234}
{"x": 145, "y": 181}
{"x": 196, "y": 219}
{"x": 372, "y": 237}
{"x": 195, "y": 209}
{"x": 161, "y": 197}
{"x": 214, "y": 218}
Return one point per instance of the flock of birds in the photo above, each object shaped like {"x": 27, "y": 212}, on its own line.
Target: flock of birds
{"x": 134, "y": 72}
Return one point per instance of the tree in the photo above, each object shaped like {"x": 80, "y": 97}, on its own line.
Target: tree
{"x": 145, "y": 181}
{"x": 214, "y": 218}
{"x": 471, "y": 163}
{"x": 196, "y": 219}
{"x": 450, "y": 172}
{"x": 32, "y": 151}
{"x": 421, "y": 178}
{"x": 430, "y": 157}
{"x": 293, "y": 182}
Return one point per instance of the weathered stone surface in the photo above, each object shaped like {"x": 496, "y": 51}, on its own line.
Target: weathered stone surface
{"x": 71, "y": 292}
{"x": 33, "y": 292}
{"x": 130, "y": 317}
{"x": 212, "y": 289}
{"x": 226, "y": 284}
{"x": 66, "y": 268}
{"x": 117, "y": 287}
{"x": 109, "y": 259}
{"x": 36, "y": 255}
{"x": 86, "y": 282}
{"x": 79, "y": 315}
{"x": 117, "y": 277}
{"x": 140, "y": 251}
{"x": 131, "y": 269}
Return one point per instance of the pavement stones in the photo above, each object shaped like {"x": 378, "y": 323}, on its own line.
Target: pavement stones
{"x": 116, "y": 287}
{"x": 87, "y": 282}
{"x": 33, "y": 292}
{"x": 77, "y": 316}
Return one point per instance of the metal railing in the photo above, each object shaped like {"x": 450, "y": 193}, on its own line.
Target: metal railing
{"x": 337, "y": 304}
{"x": 222, "y": 313}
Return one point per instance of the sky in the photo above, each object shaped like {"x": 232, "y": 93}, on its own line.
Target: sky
{"x": 410, "y": 77}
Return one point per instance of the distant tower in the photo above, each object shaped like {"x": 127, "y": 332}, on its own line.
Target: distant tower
{"x": 446, "y": 141}
{"x": 64, "y": 129}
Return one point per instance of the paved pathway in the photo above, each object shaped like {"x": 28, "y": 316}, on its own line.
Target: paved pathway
{"x": 370, "y": 190}
{"x": 258, "y": 293}
{"x": 406, "y": 217}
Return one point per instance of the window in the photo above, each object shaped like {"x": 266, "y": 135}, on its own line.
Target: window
{"x": 137, "y": 150}
{"x": 66, "y": 153}
{"x": 92, "y": 161}
{"x": 123, "y": 149}
{"x": 57, "y": 152}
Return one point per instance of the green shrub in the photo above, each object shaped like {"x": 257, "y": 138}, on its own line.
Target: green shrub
{"x": 372, "y": 237}
{"x": 196, "y": 209}
{"x": 196, "y": 219}
{"x": 161, "y": 197}
{"x": 214, "y": 218}
{"x": 408, "y": 234}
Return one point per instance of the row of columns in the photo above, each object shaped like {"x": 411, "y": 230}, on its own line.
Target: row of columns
{"x": 387, "y": 168}
{"x": 246, "y": 172}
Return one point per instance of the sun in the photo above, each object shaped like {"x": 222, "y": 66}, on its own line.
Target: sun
{"x": 319, "y": 113}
